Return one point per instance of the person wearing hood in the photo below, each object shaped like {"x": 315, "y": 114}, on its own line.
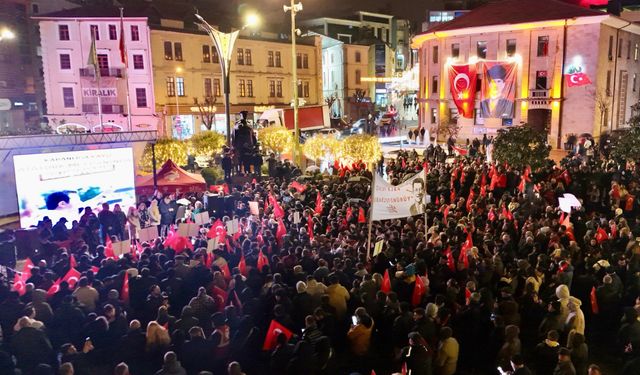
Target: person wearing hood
{"x": 171, "y": 365}
{"x": 575, "y": 322}
{"x": 563, "y": 294}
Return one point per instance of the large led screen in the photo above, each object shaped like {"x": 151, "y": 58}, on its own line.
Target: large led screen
{"x": 62, "y": 184}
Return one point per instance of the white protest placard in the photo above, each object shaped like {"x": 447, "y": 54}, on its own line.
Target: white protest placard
{"x": 122, "y": 247}
{"x": 296, "y": 217}
{"x": 564, "y": 204}
{"x": 180, "y": 213}
{"x": 404, "y": 200}
{"x": 254, "y": 209}
{"x": 148, "y": 234}
{"x": 212, "y": 244}
{"x": 573, "y": 201}
{"x": 202, "y": 218}
{"x": 188, "y": 230}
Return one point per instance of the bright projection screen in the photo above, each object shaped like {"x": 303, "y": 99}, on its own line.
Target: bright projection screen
{"x": 62, "y": 184}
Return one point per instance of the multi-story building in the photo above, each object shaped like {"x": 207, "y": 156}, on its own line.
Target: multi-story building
{"x": 576, "y": 69}
{"x": 78, "y": 97}
{"x": 186, "y": 68}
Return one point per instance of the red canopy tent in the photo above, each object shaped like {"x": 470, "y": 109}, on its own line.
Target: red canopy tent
{"x": 171, "y": 179}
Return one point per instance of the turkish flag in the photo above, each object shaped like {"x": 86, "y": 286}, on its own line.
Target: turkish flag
{"x": 310, "y": 228}
{"x": 124, "y": 295}
{"x": 318, "y": 210}
{"x": 594, "y": 301}
{"x": 278, "y": 212}
{"x": 577, "y": 79}
{"x": 386, "y": 283}
{"x": 450, "y": 262}
{"x": 445, "y": 212}
{"x": 298, "y": 186}
{"x": 462, "y": 79}
{"x": 54, "y": 288}
{"x": 349, "y": 213}
{"x": 262, "y": 261}
{"x": 361, "y": 216}
{"x": 275, "y": 328}
{"x": 213, "y": 231}
{"x": 108, "y": 249}
{"x": 242, "y": 266}
{"x": 20, "y": 282}
{"x": 470, "y": 199}
{"x": 281, "y": 231}
{"x": 72, "y": 261}
{"x": 72, "y": 277}
{"x": 419, "y": 290}
{"x": 28, "y": 265}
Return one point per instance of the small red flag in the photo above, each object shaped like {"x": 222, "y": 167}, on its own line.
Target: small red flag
{"x": 450, "y": 262}
{"x": 54, "y": 288}
{"x": 470, "y": 200}
{"x": 262, "y": 261}
{"x": 594, "y": 301}
{"x": 298, "y": 186}
{"x": 28, "y": 265}
{"x": 20, "y": 282}
{"x": 419, "y": 290}
{"x": 452, "y": 196}
{"x": 386, "y": 283}
{"x": 318, "y": 210}
{"x": 310, "y": 228}
{"x": 361, "y": 216}
{"x": 275, "y": 328}
{"x": 467, "y": 296}
{"x": 72, "y": 261}
{"x": 349, "y": 213}
{"x": 124, "y": 295}
{"x": 242, "y": 266}
{"x": 225, "y": 188}
{"x": 72, "y": 277}
{"x": 601, "y": 235}
{"x": 108, "y": 249}
{"x": 281, "y": 231}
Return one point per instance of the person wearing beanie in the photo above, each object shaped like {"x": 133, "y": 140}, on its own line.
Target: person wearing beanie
{"x": 171, "y": 365}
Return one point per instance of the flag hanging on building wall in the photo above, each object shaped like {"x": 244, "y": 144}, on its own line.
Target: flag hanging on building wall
{"x": 462, "y": 82}
{"x": 498, "y": 89}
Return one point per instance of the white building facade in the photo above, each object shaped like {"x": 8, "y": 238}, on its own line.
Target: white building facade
{"x": 75, "y": 97}
{"x": 548, "y": 52}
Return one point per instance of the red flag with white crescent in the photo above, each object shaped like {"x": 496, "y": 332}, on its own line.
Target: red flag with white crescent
{"x": 462, "y": 80}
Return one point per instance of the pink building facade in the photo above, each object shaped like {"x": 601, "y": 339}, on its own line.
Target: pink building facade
{"x": 73, "y": 93}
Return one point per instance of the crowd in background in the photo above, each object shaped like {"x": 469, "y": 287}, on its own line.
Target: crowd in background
{"x": 497, "y": 276}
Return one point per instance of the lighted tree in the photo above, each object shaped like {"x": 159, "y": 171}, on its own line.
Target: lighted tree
{"x": 318, "y": 146}
{"x": 521, "y": 146}
{"x": 166, "y": 149}
{"x": 277, "y": 139}
{"x": 207, "y": 109}
{"x": 360, "y": 147}
{"x": 206, "y": 143}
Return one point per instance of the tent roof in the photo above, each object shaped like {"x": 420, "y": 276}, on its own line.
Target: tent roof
{"x": 171, "y": 177}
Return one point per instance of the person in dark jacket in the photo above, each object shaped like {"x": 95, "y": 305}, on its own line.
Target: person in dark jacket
{"x": 416, "y": 355}
{"x": 197, "y": 352}
{"x": 31, "y": 347}
{"x": 168, "y": 210}
{"x": 131, "y": 347}
{"x": 171, "y": 365}
{"x": 546, "y": 353}
{"x": 564, "y": 366}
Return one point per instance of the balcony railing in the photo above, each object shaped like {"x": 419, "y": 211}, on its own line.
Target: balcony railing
{"x": 106, "y": 108}
{"x": 104, "y": 72}
{"x": 539, "y": 98}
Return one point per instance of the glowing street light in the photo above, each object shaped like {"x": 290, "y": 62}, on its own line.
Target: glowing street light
{"x": 224, "y": 43}
{"x": 7, "y": 34}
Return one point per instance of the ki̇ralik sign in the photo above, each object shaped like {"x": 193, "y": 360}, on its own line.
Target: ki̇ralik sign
{"x": 103, "y": 92}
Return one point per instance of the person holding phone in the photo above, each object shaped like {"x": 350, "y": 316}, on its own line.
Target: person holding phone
{"x": 359, "y": 335}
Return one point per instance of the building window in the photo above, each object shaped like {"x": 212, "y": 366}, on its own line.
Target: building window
{"x": 171, "y": 87}
{"x": 247, "y": 57}
{"x": 619, "y": 48}
{"x": 240, "y": 56}
{"x": 634, "y": 81}
{"x": 135, "y": 33}
{"x": 279, "y": 89}
{"x": 250, "y": 88}
{"x": 305, "y": 61}
{"x": 628, "y": 49}
{"x": 278, "y": 60}
{"x": 434, "y": 115}
{"x": 608, "y": 86}
{"x": 103, "y": 64}
{"x": 610, "y": 47}
{"x": 455, "y": 50}
{"x": 138, "y": 62}
{"x": 300, "y": 90}
{"x": 435, "y": 54}
{"x": 113, "y": 33}
{"x": 358, "y": 56}
{"x": 358, "y": 77}
{"x": 434, "y": 84}
{"x": 214, "y": 55}
{"x": 208, "y": 88}
{"x": 216, "y": 86}
{"x": 543, "y": 46}
{"x": 67, "y": 97}
{"x": 141, "y": 97}
{"x": 35, "y": 8}
{"x": 305, "y": 89}
{"x": 541, "y": 80}
{"x": 177, "y": 50}
{"x": 299, "y": 61}
{"x": 272, "y": 89}
{"x": 206, "y": 54}
{"x": 180, "y": 86}
{"x": 168, "y": 51}
{"x": 270, "y": 59}
{"x": 481, "y": 50}
{"x": 95, "y": 32}
{"x": 511, "y": 47}
{"x": 65, "y": 61}
{"x": 63, "y": 32}
{"x": 241, "y": 88}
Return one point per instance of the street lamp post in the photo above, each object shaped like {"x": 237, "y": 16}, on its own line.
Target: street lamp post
{"x": 294, "y": 9}
{"x": 224, "y": 43}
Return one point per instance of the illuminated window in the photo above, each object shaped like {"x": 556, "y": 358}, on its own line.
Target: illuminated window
{"x": 272, "y": 89}
{"x": 279, "y": 89}
{"x": 270, "y": 59}
{"x": 180, "y": 84}
{"x": 208, "y": 88}
{"x": 511, "y": 47}
{"x": 278, "y": 60}
{"x": 543, "y": 46}
{"x": 481, "y": 50}
{"x": 241, "y": 88}
{"x": 216, "y": 86}
{"x": 250, "y": 88}
{"x": 247, "y": 56}
{"x": 171, "y": 87}
{"x": 206, "y": 53}
{"x": 177, "y": 49}
{"x": 168, "y": 51}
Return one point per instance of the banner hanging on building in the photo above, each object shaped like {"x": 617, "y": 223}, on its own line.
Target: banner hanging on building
{"x": 498, "y": 89}
{"x": 404, "y": 200}
{"x": 462, "y": 82}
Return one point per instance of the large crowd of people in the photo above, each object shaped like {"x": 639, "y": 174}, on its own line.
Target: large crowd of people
{"x": 493, "y": 279}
